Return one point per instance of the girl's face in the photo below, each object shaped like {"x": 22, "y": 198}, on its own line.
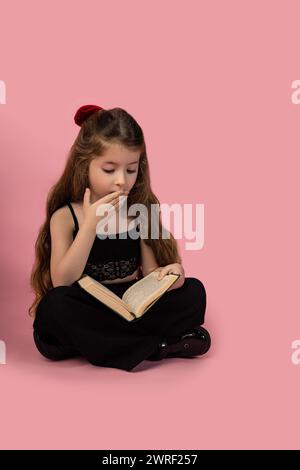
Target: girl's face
{"x": 116, "y": 170}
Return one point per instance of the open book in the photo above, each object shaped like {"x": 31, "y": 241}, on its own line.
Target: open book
{"x": 136, "y": 300}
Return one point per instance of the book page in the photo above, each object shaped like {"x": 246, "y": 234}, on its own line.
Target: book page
{"x": 105, "y": 295}
{"x": 111, "y": 303}
{"x": 146, "y": 290}
{"x": 86, "y": 281}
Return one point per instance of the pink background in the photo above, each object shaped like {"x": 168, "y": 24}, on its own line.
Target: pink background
{"x": 210, "y": 84}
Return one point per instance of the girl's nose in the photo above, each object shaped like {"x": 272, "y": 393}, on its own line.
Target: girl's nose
{"x": 120, "y": 182}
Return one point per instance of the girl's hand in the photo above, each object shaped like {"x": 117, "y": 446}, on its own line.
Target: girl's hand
{"x": 89, "y": 210}
{"x": 175, "y": 268}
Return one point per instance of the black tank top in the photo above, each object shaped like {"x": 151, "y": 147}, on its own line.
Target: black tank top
{"x": 111, "y": 258}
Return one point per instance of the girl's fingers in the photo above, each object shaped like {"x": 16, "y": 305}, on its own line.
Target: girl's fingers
{"x": 164, "y": 273}
{"x": 86, "y": 197}
{"x": 114, "y": 204}
{"x": 160, "y": 274}
{"x": 112, "y": 196}
{"x": 109, "y": 197}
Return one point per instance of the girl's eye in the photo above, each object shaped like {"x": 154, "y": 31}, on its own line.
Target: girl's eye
{"x": 129, "y": 171}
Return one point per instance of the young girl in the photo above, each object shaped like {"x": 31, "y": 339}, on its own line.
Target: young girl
{"x": 107, "y": 160}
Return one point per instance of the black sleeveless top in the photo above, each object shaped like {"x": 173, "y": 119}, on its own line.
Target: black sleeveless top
{"x": 111, "y": 258}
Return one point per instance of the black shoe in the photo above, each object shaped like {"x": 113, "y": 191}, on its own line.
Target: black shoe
{"x": 54, "y": 352}
{"x": 195, "y": 342}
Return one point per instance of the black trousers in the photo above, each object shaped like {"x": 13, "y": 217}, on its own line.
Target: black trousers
{"x": 71, "y": 317}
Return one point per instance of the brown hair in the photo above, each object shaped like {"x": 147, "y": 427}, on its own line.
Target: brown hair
{"x": 102, "y": 128}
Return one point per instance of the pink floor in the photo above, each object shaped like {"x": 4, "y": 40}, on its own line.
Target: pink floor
{"x": 242, "y": 394}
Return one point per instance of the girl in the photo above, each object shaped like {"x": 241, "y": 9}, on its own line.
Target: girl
{"x": 107, "y": 160}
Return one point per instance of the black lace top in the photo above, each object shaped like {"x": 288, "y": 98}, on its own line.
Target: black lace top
{"x": 111, "y": 258}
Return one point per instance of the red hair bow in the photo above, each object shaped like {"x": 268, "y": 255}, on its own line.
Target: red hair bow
{"x": 84, "y": 112}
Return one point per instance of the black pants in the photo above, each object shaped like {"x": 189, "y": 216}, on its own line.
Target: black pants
{"x": 71, "y": 317}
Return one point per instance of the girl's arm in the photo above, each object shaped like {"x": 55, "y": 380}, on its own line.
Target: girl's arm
{"x": 149, "y": 263}
{"x": 68, "y": 257}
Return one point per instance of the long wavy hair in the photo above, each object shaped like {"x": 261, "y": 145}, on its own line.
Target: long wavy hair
{"x": 98, "y": 131}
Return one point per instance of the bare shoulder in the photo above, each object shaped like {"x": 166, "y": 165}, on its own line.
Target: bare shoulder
{"x": 62, "y": 217}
